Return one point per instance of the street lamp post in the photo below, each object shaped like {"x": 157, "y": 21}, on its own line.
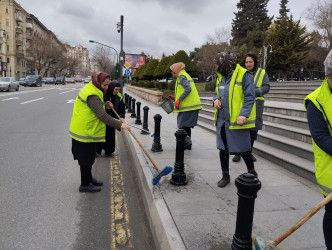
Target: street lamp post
{"x": 117, "y": 55}
{"x": 265, "y": 54}
{"x": 122, "y": 53}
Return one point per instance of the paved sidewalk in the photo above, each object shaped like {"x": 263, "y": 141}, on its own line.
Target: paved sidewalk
{"x": 201, "y": 215}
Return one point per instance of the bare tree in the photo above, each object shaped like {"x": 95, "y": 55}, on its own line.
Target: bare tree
{"x": 102, "y": 59}
{"x": 320, "y": 13}
{"x": 222, "y": 35}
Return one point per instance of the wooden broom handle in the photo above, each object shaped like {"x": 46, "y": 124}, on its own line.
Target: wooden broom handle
{"x": 155, "y": 166}
{"x": 313, "y": 211}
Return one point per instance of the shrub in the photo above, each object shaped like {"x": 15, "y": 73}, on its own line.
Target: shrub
{"x": 171, "y": 84}
{"x": 210, "y": 86}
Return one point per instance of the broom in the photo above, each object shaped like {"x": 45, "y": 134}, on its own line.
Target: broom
{"x": 161, "y": 173}
{"x": 272, "y": 244}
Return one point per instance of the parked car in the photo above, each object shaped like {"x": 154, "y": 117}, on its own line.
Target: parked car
{"x": 21, "y": 81}
{"x": 60, "y": 80}
{"x": 8, "y": 83}
{"x": 70, "y": 80}
{"x": 49, "y": 80}
{"x": 78, "y": 79}
{"x": 33, "y": 80}
{"x": 87, "y": 79}
{"x": 195, "y": 79}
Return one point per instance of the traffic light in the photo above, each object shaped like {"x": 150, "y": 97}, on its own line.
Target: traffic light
{"x": 91, "y": 41}
{"x": 117, "y": 68}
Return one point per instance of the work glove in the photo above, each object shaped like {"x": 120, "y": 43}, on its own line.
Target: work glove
{"x": 170, "y": 97}
{"x": 177, "y": 103}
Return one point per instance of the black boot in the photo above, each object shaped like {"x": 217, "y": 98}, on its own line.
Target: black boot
{"x": 96, "y": 183}
{"x": 236, "y": 158}
{"x": 224, "y": 181}
{"x": 89, "y": 189}
{"x": 187, "y": 143}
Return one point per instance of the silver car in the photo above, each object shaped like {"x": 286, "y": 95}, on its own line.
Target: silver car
{"x": 8, "y": 83}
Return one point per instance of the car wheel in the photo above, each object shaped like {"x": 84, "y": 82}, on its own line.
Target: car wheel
{"x": 9, "y": 88}
{"x": 17, "y": 87}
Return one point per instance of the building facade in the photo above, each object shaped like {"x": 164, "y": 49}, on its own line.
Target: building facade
{"x": 18, "y": 43}
{"x": 80, "y": 56}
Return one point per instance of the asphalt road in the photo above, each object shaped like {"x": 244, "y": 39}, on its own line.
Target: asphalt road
{"x": 40, "y": 206}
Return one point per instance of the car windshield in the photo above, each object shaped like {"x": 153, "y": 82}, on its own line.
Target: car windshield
{"x": 59, "y": 78}
{"x": 4, "y": 79}
{"x": 31, "y": 77}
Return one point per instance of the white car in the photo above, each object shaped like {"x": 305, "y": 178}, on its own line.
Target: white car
{"x": 8, "y": 83}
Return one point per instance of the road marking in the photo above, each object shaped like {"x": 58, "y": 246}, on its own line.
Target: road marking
{"x": 120, "y": 232}
{"x": 25, "y": 92}
{"x": 71, "y": 101}
{"x": 32, "y": 100}
{"x": 10, "y": 98}
{"x": 67, "y": 91}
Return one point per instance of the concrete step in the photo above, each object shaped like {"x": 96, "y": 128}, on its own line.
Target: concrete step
{"x": 287, "y": 91}
{"x": 295, "y": 84}
{"x": 207, "y": 126}
{"x": 293, "y": 88}
{"x": 298, "y": 122}
{"x": 285, "y": 108}
{"x": 208, "y": 106}
{"x": 296, "y": 164}
{"x": 206, "y": 94}
{"x": 299, "y": 134}
{"x": 284, "y": 99}
{"x": 298, "y": 148}
{"x": 206, "y": 99}
{"x": 208, "y": 119}
{"x": 207, "y": 111}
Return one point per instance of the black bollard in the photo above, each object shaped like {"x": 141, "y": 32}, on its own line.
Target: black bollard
{"x": 247, "y": 187}
{"x": 145, "y": 120}
{"x": 138, "y": 117}
{"x": 156, "y": 146}
{"x": 133, "y": 113}
{"x": 179, "y": 177}
{"x": 129, "y": 104}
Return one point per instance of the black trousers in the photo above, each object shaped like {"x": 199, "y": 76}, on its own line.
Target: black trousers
{"x": 327, "y": 225}
{"x": 188, "y": 130}
{"x": 109, "y": 144}
{"x": 86, "y": 175}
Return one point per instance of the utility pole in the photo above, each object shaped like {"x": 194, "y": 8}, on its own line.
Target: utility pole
{"x": 265, "y": 54}
{"x": 122, "y": 53}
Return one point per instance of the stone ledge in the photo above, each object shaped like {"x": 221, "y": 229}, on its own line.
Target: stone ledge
{"x": 147, "y": 94}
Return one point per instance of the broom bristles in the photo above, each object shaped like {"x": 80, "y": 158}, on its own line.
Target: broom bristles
{"x": 162, "y": 173}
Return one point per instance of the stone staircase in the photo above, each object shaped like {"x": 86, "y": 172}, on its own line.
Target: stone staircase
{"x": 285, "y": 138}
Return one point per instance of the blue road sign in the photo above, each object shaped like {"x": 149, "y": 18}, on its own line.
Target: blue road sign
{"x": 127, "y": 72}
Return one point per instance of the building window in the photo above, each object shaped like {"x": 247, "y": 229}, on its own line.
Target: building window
{"x": 7, "y": 22}
{"x": 6, "y": 9}
{"x": 8, "y": 60}
{"x": 7, "y": 36}
{"x": 7, "y": 48}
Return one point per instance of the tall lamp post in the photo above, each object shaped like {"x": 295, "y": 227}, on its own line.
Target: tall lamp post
{"x": 265, "y": 54}
{"x": 117, "y": 55}
{"x": 122, "y": 53}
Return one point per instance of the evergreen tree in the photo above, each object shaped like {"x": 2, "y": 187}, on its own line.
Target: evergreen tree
{"x": 182, "y": 56}
{"x": 162, "y": 71}
{"x": 250, "y": 23}
{"x": 283, "y": 10}
{"x": 150, "y": 68}
{"x": 291, "y": 44}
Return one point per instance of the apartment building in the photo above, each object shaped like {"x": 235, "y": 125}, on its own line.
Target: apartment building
{"x": 81, "y": 56}
{"x": 18, "y": 30}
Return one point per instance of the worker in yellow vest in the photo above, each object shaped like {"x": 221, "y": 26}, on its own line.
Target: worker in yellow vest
{"x": 87, "y": 127}
{"x": 187, "y": 102}
{"x": 319, "y": 115}
{"x": 262, "y": 87}
{"x": 235, "y": 113}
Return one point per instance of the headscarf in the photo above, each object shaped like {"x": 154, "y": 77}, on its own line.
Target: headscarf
{"x": 226, "y": 62}
{"x": 177, "y": 67}
{"x": 328, "y": 63}
{"x": 97, "y": 79}
{"x": 109, "y": 92}
{"x": 254, "y": 58}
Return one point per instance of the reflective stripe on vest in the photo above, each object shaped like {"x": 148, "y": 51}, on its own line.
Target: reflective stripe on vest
{"x": 192, "y": 100}
{"x": 236, "y": 100}
{"x": 258, "y": 81}
{"x": 322, "y": 99}
{"x": 84, "y": 125}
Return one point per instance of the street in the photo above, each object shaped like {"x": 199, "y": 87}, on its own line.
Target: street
{"x": 41, "y": 207}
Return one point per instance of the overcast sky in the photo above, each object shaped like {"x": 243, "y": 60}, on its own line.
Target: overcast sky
{"x": 152, "y": 26}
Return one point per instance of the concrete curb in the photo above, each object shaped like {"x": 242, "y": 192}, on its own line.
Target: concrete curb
{"x": 165, "y": 233}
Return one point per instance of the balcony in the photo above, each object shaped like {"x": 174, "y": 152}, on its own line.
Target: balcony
{"x": 19, "y": 30}
{"x": 28, "y": 25}
{"x": 29, "y": 37}
{"x": 19, "y": 43}
{"x": 18, "y": 18}
{"x": 19, "y": 53}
